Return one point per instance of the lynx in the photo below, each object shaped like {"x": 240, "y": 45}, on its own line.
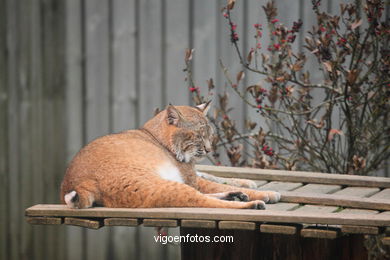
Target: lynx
{"x": 154, "y": 167}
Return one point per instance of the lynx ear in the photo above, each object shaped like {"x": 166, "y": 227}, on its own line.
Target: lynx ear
{"x": 204, "y": 107}
{"x": 173, "y": 115}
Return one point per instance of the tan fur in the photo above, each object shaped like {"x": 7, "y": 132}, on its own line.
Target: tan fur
{"x": 122, "y": 170}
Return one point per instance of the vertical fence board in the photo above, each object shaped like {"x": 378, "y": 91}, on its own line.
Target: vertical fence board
{"x": 204, "y": 42}
{"x": 74, "y": 109}
{"x": 4, "y": 155}
{"x": 97, "y": 95}
{"x": 176, "y": 41}
{"x": 54, "y": 114}
{"x": 25, "y": 122}
{"x": 13, "y": 127}
{"x": 150, "y": 49}
{"x": 124, "y": 102}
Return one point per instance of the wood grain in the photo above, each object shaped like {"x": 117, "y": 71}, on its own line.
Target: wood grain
{"x": 359, "y": 230}
{"x": 314, "y": 232}
{"x": 279, "y": 229}
{"x": 213, "y": 214}
{"x": 44, "y": 221}
{"x": 237, "y": 225}
{"x": 160, "y": 222}
{"x": 82, "y": 222}
{"x": 127, "y": 222}
{"x": 194, "y": 223}
{"x": 305, "y": 177}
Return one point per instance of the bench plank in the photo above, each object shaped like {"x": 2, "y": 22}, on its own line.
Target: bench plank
{"x": 280, "y": 186}
{"x": 320, "y": 232}
{"x": 127, "y": 222}
{"x": 318, "y": 188}
{"x": 44, "y": 221}
{"x": 198, "y": 223}
{"x": 160, "y": 223}
{"x": 357, "y": 192}
{"x": 212, "y": 214}
{"x": 236, "y": 225}
{"x": 81, "y": 222}
{"x": 296, "y": 176}
{"x": 279, "y": 229}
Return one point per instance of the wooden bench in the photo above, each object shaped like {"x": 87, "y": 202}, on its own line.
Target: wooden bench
{"x": 320, "y": 216}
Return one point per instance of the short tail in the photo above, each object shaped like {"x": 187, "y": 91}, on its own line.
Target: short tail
{"x": 71, "y": 199}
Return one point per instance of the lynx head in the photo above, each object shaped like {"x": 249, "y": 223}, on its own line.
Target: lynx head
{"x": 191, "y": 133}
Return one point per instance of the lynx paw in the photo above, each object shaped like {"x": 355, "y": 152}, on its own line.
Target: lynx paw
{"x": 236, "y": 195}
{"x": 257, "y": 204}
{"x": 273, "y": 196}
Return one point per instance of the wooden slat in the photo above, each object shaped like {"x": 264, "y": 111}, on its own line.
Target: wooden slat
{"x": 44, "y": 221}
{"x": 198, "y": 223}
{"x": 359, "y": 230}
{"x": 383, "y": 194}
{"x": 237, "y": 225}
{"x": 359, "y": 211}
{"x": 82, "y": 222}
{"x": 316, "y": 209}
{"x": 336, "y": 200}
{"x": 282, "y": 206}
{"x": 213, "y": 214}
{"x": 318, "y": 188}
{"x": 128, "y": 222}
{"x": 315, "y": 232}
{"x": 260, "y": 183}
{"x": 296, "y": 176}
{"x": 279, "y": 229}
{"x": 160, "y": 222}
{"x": 357, "y": 192}
{"x": 280, "y": 186}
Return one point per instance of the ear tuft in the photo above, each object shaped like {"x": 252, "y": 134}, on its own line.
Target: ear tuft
{"x": 173, "y": 115}
{"x": 205, "y": 107}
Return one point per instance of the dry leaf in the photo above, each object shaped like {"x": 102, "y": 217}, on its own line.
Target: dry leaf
{"x": 250, "y": 56}
{"x": 333, "y": 132}
{"x": 240, "y": 76}
{"x": 230, "y": 4}
{"x": 356, "y": 24}
{"x": 328, "y": 66}
{"x": 188, "y": 55}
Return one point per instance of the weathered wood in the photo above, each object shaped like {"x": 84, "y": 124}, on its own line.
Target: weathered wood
{"x": 279, "y": 229}
{"x": 4, "y": 138}
{"x": 281, "y": 206}
{"x": 318, "y": 188}
{"x": 359, "y": 211}
{"x": 316, "y": 209}
{"x": 287, "y": 176}
{"x": 127, "y": 222}
{"x": 260, "y": 183}
{"x": 236, "y": 225}
{"x": 160, "y": 222}
{"x": 357, "y": 192}
{"x": 336, "y": 200}
{"x": 213, "y": 214}
{"x": 359, "y": 230}
{"x": 316, "y": 232}
{"x": 193, "y": 223}
{"x": 44, "y": 221}
{"x": 383, "y": 194}
{"x": 82, "y": 222}
{"x": 280, "y": 186}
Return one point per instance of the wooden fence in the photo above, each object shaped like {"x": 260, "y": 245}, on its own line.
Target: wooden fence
{"x": 73, "y": 70}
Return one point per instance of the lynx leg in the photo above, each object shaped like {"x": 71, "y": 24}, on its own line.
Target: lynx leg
{"x": 167, "y": 193}
{"x": 80, "y": 199}
{"x": 206, "y": 186}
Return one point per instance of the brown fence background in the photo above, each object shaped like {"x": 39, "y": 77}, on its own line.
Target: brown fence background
{"x": 73, "y": 70}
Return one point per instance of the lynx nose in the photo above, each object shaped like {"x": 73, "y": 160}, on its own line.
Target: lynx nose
{"x": 207, "y": 147}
